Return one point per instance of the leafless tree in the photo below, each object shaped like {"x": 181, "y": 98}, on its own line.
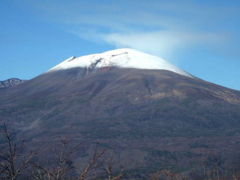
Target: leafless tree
{"x": 62, "y": 166}
{"x": 92, "y": 165}
{"x": 110, "y": 172}
{"x": 12, "y": 161}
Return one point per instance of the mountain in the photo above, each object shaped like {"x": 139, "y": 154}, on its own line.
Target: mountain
{"x": 10, "y": 82}
{"x": 151, "y": 114}
{"x": 123, "y": 58}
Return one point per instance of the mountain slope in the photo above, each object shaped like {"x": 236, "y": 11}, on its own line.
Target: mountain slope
{"x": 10, "y": 83}
{"x": 149, "y": 118}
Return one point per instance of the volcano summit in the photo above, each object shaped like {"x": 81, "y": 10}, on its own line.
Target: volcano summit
{"x": 122, "y": 58}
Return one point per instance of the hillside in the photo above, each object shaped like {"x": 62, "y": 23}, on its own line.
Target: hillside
{"x": 149, "y": 118}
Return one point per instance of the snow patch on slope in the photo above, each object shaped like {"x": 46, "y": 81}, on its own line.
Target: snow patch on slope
{"x": 122, "y": 58}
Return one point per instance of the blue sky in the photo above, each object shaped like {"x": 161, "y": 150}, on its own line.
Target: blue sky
{"x": 202, "y": 37}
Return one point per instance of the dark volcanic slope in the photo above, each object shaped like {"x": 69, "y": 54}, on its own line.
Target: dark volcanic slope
{"x": 151, "y": 118}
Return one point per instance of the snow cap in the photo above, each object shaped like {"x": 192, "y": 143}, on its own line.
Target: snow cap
{"x": 122, "y": 58}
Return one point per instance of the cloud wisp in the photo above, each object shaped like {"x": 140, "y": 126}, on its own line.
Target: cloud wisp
{"x": 159, "y": 27}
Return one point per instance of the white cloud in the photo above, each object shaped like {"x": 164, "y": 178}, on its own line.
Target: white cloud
{"x": 160, "y": 27}
{"x": 163, "y": 43}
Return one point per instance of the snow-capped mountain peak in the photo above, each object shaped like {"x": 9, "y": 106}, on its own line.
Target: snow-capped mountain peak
{"x": 122, "y": 58}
